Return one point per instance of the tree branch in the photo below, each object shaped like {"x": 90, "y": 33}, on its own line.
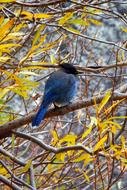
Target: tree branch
{"x": 51, "y": 148}
{"x": 6, "y": 129}
{"x": 51, "y": 2}
{"x": 15, "y": 177}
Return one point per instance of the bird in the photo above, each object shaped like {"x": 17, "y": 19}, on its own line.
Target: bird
{"x": 60, "y": 89}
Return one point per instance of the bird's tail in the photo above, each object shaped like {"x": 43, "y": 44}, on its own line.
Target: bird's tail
{"x": 40, "y": 115}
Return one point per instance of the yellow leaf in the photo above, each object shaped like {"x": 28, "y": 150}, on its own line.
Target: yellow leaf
{"x": 3, "y": 171}
{"x": 104, "y": 101}
{"x": 7, "y": 1}
{"x": 61, "y": 156}
{"x": 96, "y": 22}
{"x": 114, "y": 148}
{"x": 87, "y": 160}
{"x": 26, "y": 167}
{"x": 55, "y": 137}
{"x": 13, "y": 36}
{"x": 37, "y": 35}
{"x": 82, "y": 157}
{"x": 100, "y": 143}
{"x": 8, "y": 45}
{"x": 80, "y": 22}
{"x": 3, "y": 92}
{"x": 1, "y": 20}
{"x": 123, "y": 29}
{"x": 4, "y": 59}
{"x": 107, "y": 123}
{"x": 87, "y": 132}
{"x": 86, "y": 177}
{"x": 113, "y": 129}
{"x": 42, "y": 15}
{"x": 4, "y": 29}
{"x": 117, "y": 154}
{"x": 27, "y": 15}
{"x": 124, "y": 160}
{"x": 65, "y": 18}
{"x": 108, "y": 110}
{"x": 117, "y": 117}
{"x": 20, "y": 90}
{"x": 19, "y": 26}
{"x": 34, "y": 47}
{"x": 68, "y": 138}
{"x": 123, "y": 140}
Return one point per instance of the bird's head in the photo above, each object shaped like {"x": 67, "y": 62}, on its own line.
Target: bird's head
{"x": 69, "y": 68}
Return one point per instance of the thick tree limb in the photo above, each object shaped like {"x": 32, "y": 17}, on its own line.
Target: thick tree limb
{"x": 6, "y": 129}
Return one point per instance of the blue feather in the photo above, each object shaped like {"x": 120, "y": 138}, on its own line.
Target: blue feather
{"x": 60, "y": 88}
{"x": 48, "y": 99}
{"x": 40, "y": 115}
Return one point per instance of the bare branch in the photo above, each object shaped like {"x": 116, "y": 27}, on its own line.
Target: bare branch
{"x": 52, "y": 2}
{"x": 16, "y": 178}
{"x": 9, "y": 183}
{"x": 50, "y": 148}
{"x": 13, "y": 158}
{"x": 32, "y": 179}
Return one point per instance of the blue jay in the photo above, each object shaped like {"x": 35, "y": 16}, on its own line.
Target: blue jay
{"x": 60, "y": 88}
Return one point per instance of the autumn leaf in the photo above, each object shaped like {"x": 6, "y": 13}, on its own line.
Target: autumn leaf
{"x": 26, "y": 167}
{"x": 100, "y": 143}
{"x": 104, "y": 101}
{"x": 65, "y": 18}
{"x": 7, "y": 1}
{"x": 42, "y": 15}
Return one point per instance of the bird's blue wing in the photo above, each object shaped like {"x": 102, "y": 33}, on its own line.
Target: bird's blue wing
{"x": 57, "y": 83}
{"x": 60, "y": 88}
